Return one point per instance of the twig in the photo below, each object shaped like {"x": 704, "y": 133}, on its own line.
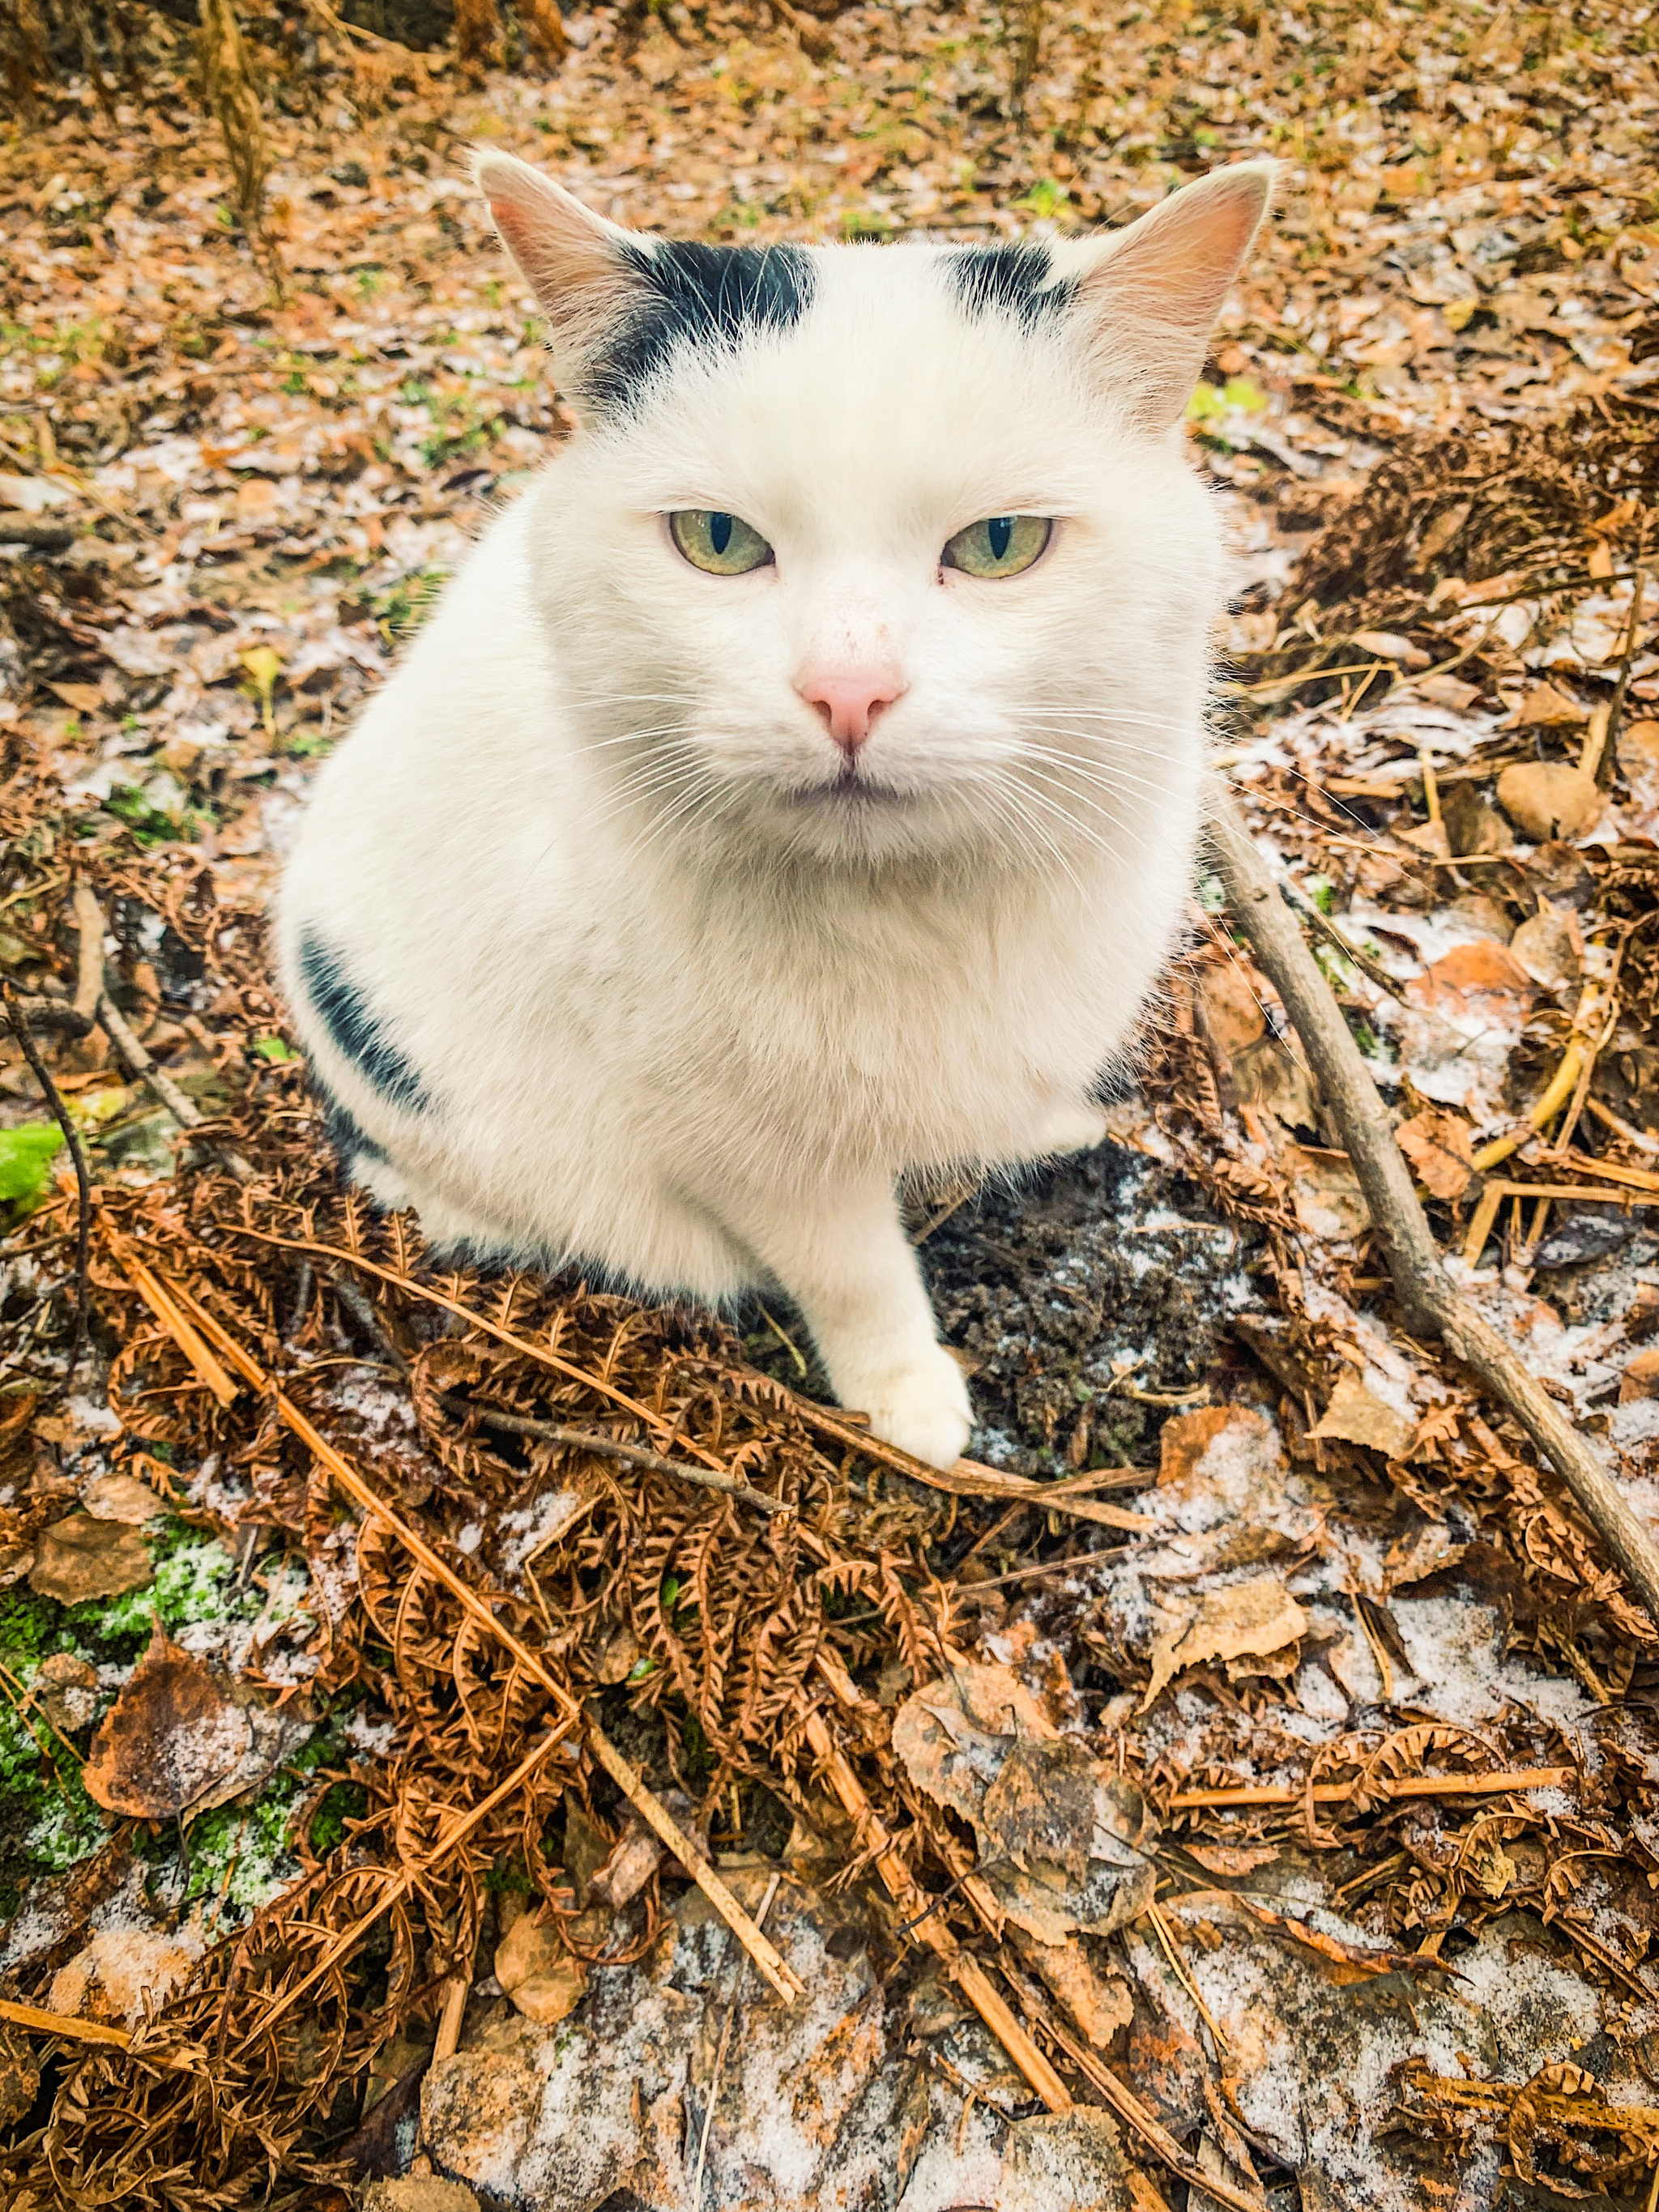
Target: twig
{"x": 74, "y": 2030}
{"x": 1410, "y": 1785}
{"x": 54, "y": 1014}
{"x": 90, "y": 952}
{"x": 1339, "y": 942}
{"x": 38, "y": 537}
{"x": 140, "y": 1064}
{"x": 1608, "y": 732}
{"x": 554, "y": 1433}
{"x": 1620, "y": 1128}
{"x": 964, "y": 1969}
{"x": 1485, "y": 1216}
{"x": 19, "y": 1029}
{"x": 1124, "y": 2102}
{"x": 719, "y": 2055}
{"x": 166, "y": 1311}
{"x": 967, "y": 1478}
{"x": 1427, "y": 1299}
{"x": 771, "y": 1963}
{"x": 447, "y": 2039}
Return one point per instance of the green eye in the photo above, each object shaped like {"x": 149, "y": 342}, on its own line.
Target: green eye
{"x": 722, "y": 544}
{"x": 1001, "y": 546}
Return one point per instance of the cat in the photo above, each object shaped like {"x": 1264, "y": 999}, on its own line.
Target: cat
{"x": 797, "y": 788}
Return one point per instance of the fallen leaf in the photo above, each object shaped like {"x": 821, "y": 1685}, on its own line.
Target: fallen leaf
{"x": 1233, "y": 1014}
{"x": 121, "y": 1497}
{"x": 1448, "y": 691}
{"x": 1638, "y": 763}
{"x": 635, "y": 1857}
{"x": 111, "y": 1978}
{"x": 1389, "y": 645}
{"x": 20, "y": 2075}
{"x": 1356, "y": 1415}
{"x": 1549, "y": 798}
{"x": 1325, "y": 1194}
{"x": 1641, "y": 1376}
{"x": 173, "y": 1735}
{"x": 1440, "y": 1147}
{"x": 1099, "y": 2004}
{"x": 1550, "y": 946}
{"x": 544, "y": 1979}
{"x": 82, "y": 1557}
{"x": 1544, "y": 707}
{"x": 1202, "y": 1448}
{"x": 1073, "y": 2158}
{"x": 1254, "y": 1618}
{"x": 1232, "y": 1859}
{"x": 85, "y": 698}
{"x": 1269, "y": 1073}
{"x": 1414, "y": 1558}
{"x": 65, "y": 1689}
{"x": 31, "y": 494}
{"x": 1472, "y": 826}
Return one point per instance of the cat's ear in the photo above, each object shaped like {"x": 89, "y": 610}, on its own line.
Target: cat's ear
{"x": 580, "y": 266}
{"x": 1152, "y": 291}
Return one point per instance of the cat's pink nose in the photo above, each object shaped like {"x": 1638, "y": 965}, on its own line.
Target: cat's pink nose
{"x": 850, "y": 698}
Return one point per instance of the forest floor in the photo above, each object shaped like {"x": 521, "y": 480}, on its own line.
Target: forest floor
{"x": 1286, "y": 1764}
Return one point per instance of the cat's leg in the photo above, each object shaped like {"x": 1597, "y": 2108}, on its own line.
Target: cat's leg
{"x": 846, "y": 1262}
{"x": 1068, "y": 1127}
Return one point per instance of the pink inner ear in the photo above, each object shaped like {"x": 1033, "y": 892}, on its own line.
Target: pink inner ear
{"x": 1175, "y": 264}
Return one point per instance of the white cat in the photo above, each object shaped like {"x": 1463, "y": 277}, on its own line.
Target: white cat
{"x": 798, "y": 786}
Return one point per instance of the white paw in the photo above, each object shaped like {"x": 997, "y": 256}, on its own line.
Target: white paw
{"x": 1072, "y": 1129}
{"x": 923, "y": 1408}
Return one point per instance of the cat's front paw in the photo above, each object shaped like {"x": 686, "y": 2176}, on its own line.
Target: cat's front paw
{"x": 922, "y": 1408}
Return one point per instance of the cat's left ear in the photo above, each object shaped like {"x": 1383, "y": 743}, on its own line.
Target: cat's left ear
{"x": 1151, "y": 292}
{"x": 576, "y": 262}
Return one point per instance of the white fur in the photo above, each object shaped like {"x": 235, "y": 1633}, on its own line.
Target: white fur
{"x": 684, "y": 1010}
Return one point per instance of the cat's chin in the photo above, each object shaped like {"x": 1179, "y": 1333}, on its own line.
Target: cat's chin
{"x": 865, "y": 820}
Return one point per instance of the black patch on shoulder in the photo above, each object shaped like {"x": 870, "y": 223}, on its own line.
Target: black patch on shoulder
{"x": 355, "y": 1029}
{"x": 1008, "y": 280}
{"x": 698, "y": 295}
{"x": 342, "y": 1131}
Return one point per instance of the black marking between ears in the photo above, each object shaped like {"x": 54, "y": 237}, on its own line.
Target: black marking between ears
{"x": 1017, "y": 280}
{"x": 358, "y": 1033}
{"x": 698, "y": 295}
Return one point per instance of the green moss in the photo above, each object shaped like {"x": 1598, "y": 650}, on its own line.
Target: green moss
{"x": 195, "y": 1580}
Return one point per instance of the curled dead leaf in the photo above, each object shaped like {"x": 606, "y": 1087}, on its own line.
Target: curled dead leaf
{"x": 543, "y": 1980}
{"x": 175, "y": 1735}
{"x": 1249, "y": 1619}
{"x": 121, "y": 1497}
{"x": 1357, "y": 1416}
{"x": 82, "y": 1557}
{"x": 1549, "y": 798}
{"x": 1550, "y": 946}
{"x": 1440, "y": 1147}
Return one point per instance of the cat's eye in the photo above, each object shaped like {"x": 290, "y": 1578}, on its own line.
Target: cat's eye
{"x": 1001, "y": 546}
{"x": 723, "y": 544}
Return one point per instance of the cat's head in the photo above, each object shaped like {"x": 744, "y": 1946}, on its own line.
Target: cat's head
{"x": 861, "y": 551}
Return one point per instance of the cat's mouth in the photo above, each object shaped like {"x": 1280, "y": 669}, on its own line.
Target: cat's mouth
{"x": 849, "y": 789}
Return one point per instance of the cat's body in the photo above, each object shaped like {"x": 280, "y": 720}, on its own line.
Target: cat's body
{"x": 665, "y": 920}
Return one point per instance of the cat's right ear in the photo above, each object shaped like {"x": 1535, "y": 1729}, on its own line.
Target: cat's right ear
{"x": 575, "y": 262}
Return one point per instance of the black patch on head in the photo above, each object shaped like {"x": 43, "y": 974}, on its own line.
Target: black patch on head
{"x": 355, "y": 1029}
{"x": 697, "y": 295}
{"x": 1008, "y": 280}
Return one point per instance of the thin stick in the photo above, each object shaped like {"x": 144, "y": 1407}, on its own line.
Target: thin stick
{"x": 772, "y": 1963}
{"x": 1124, "y": 2102}
{"x": 925, "y": 1925}
{"x": 139, "y": 1061}
{"x": 19, "y": 1029}
{"x": 90, "y": 953}
{"x": 726, "y": 2038}
{"x": 1413, "y": 1785}
{"x": 521, "y": 1425}
{"x": 967, "y": 1478}
{"x": 1430, "y": 1302}
{"x": 448, "y": 2037}
{"x": 154, "y": 1296}
{"x": 74, "y": 2030}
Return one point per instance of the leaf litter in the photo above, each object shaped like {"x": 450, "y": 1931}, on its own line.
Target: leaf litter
{"x": 1365, "y": 1668}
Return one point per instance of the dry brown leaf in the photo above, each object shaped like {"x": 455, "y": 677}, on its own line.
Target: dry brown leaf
{"x": 1231, "y": 1007}
{"x": 1546, "y": 706}
{"x": 1550, "y": 798}
{"x": 1357, "y": 1416}
{"x": 1550, "y": 946}
{"x": 1440, "y": 1147}
{"x": 1325, "y": 1194}
{"x": 1072, "y": 2159}
{"x": 175, "y": 1735}
{"x": 544, "y": 1979}
{"x": 633, "y": 1859}
{"x": 1641, "y": 1376}
{"x": 121, "y": 1497}
{"x": 1232, "y": 1859}
{"x": 66, "y": 1690}
{"x": 1098, "y": 2003}
{"x": 82, "y": 1557}
{"x": 1472, "y": 826}
{"x": 1254, "y": 1617}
